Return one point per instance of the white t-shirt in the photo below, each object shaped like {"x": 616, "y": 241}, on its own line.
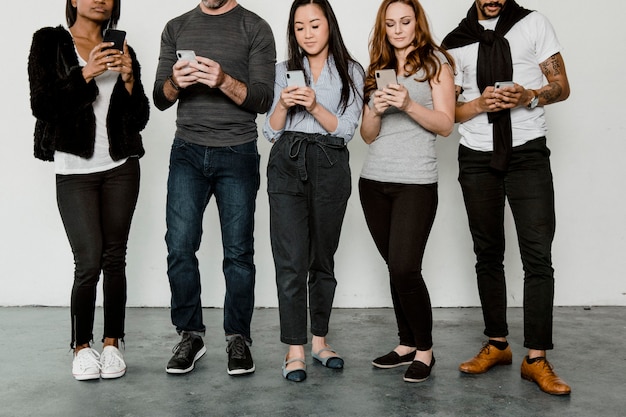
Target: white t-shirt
{"x": 532, "y": 41}
{"x": 66, "y": 163}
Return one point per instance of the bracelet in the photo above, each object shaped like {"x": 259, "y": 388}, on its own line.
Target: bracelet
{"x": 171, "y": 80}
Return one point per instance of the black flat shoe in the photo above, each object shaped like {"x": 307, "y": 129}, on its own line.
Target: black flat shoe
{"x": 393, "y": 360}
{"x": 419, "y": 371}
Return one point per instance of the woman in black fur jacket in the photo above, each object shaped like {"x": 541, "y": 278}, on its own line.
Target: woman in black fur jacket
{"x": 90, "y": 106}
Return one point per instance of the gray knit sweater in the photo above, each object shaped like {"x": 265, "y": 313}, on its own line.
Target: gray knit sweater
{"x": 243, "y": 44}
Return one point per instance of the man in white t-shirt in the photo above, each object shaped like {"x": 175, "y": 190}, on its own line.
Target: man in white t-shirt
{"x": 508, "y": 67}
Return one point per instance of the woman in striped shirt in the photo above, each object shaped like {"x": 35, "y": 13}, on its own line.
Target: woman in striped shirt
{"x": 310, "y": 124}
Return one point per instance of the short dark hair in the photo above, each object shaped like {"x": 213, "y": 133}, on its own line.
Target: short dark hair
{"x": 70, "y": 14}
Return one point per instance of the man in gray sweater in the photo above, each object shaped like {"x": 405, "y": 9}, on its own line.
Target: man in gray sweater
{"x": 220, "y": 89}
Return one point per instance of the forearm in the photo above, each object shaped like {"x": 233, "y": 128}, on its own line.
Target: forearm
{"x": 278, "y": 118}
{"x": 164, "y": 94}
{"x": 234, "y": 89}
{"x": 432, "y": 120}
{"x": 370, "y": 125}
{"x": 465, "y": 111}
{"x": 552, "y": 93}
{"x": 325, "y": 118}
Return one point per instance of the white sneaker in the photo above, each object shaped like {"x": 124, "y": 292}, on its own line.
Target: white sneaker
{"x": 86, "y": 365}
{"x": 112, "y": 363}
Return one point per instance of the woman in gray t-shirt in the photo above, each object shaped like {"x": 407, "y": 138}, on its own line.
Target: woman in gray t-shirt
{"x": 398, "y": 184}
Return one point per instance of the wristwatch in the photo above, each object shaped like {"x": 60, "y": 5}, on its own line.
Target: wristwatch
{"x": 534, "y": 101}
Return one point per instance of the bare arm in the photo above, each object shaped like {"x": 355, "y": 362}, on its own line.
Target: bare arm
{"x": 370, "y": 123}
{"x": 464, "y": 111}
{"x": 440, "y": 119}
{"x": 557, "y": 88}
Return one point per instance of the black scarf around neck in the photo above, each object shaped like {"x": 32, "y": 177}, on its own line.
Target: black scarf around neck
{"x": 494, "y": 64}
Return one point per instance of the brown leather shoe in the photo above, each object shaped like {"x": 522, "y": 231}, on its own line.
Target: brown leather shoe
{"x": 542, "y": 373}
{"x": 488, "y": 357}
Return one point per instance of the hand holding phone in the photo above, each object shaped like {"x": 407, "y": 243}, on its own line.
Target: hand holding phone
{"x": 295, "y": 78}
{"x": 115, "y": 36}
{"x": 384, "y": 77}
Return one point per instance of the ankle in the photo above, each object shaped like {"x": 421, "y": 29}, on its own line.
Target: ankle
{"x": 295, "y": 352}
{"x": 404, "y": 349}
{"x": 78, "y": 348}
{"x": 499, "y": 344}
{"x": 424, "y": 356}
{"x": 318, "y": 342}
{"x": 110, "y": 341}
{"x": 534, "y": 354}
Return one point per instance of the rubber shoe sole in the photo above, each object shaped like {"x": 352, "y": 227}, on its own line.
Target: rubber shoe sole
{"x": 177, "y": 371}
{"x": 241, "y": 371}
{"x": 87, "y": 377}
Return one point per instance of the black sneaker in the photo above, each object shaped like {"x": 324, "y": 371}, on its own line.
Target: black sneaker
{"x": 239, "y": 357}
{"x": 419, "y": 371}
{"x": 186, "y": 353}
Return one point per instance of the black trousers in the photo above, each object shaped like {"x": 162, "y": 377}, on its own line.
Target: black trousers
{"x": 309, "y": 184}
{"x": 97, "y": 210}
{"x": 400, "y": 217}
{"x": 527, "y": 186}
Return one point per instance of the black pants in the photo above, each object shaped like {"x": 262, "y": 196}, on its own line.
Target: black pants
{"x": 527, "y": 185}
{"x": 309, "y": 184}
{"x": 400, "y": 217}
{"x": 96, "y": 210}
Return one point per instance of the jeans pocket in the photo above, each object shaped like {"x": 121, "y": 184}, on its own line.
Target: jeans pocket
{"x": 249, "y": 148}
{"x": 178, "y": 143}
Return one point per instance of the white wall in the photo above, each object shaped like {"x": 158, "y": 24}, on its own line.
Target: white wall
{"x": 586, "y": 137}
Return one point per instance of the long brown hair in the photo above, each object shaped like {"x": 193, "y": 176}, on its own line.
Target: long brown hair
{"x": 382, "y": 54}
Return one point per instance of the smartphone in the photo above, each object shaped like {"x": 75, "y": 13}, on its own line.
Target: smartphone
{"x": 501, "y": 84}
{"x": 384, "y": 77}
{"x": 186, "y": 55}
{"x": 115, "y": 36}
{"x": 295, "y": 78}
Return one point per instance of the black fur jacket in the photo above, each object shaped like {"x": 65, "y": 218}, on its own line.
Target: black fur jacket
{"x": 61, "y": 101}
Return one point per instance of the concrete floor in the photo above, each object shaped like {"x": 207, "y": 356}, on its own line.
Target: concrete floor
{"x": 36, "y": 363}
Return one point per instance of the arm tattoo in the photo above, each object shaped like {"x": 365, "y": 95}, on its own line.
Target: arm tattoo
{"x": 551, "y": 67}
{"x": 551, "y": 92}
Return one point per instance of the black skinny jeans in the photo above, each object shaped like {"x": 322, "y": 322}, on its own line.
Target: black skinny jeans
{"x": 97, "y": 210}
{"x": 527, "y": 185}
{"x": 400, "y": 217}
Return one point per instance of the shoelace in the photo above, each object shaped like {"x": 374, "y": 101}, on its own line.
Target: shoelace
{"x": 236, "y": 346}
{"x": 546, "y": 364}
{"x": 485, "y": 349}
{"x": 182, "y": 348}
{"x": 88, "y": 359}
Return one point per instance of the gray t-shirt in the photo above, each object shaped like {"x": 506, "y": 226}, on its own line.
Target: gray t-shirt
{"x": 403, "y": 152}
{"x": 243, "y": 44}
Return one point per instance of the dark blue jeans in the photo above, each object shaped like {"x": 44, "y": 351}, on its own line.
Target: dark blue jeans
{"x": 97, "y": 210}
{"x": 197, "y": 173}
{"x": 400, "y": 217}
{"x": 308, "y": 181}
{"x": 527, "y": 185}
